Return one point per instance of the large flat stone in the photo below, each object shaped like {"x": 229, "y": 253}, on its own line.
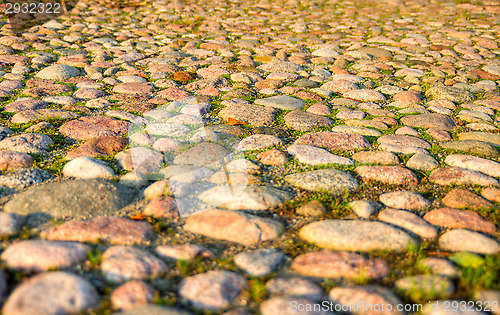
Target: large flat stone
{"x": 330, "y": 180}
{"x": 356, "y": 235}
{"x": 72, "y": 198}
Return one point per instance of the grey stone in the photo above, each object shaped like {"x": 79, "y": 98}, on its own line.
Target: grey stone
{"x": 363, "y": 208}
{"x": 356, "y": 235}
{"x": 23, "y": 178}
{"x": 294, "y": 287}
{"x": 422, "y": 162}
{"x": 308, "y": 154}
{"x": 453, "y": 94}
{"x": 472, "y": 146}
{"x": 212, "y": 290}
{"x": 51, "y": 293}
{"x": 331, "y": 180}
{"x": 245, "y": 198}
{"x": 460, "y": 240}
{"x": 281, "y": 102}
{"x": 305, "y": 121}
{"x": 260, "y": 262}
{"x": 58, "y": 72}
{"x": 73, "y": 198}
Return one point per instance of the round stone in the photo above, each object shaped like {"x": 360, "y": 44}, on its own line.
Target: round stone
{"x": 58, "y": 72}
{"x": 85, "y": 167}
{"x": 212, "y": 290}
{"x": 131, "y": 294}
{"x": 405, "y": 200}
{"x": 52, "y": 293}
{"x": 40, "y": 255}
{"x": 122, "y": 263}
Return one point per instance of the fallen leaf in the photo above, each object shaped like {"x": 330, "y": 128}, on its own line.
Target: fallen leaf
{"x": 235, "y": 122}
{"x": 139, "y": 217}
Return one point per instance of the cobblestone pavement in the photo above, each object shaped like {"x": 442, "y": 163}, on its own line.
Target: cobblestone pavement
{"x": 246, "y": 156}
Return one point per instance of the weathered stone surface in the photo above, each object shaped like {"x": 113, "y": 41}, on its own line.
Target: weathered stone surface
{"x": 58, "y": 72}
{"x": 308, "y": 154}
{"x": 12, "y": 160}
{"x": 251, "y": 198}
{"x": 408, "y": 221}
{"x": 450, "y": 93}
{"x": 488, "y": 137}
{"x": 122, "y": 263}
{"x": 429, "y": 121}
{"x": 182, "y": 252}
{"x": 393, "y": 175}
{"x": 258, "y": 142}
{"x": 460, "y": 219}
{"x": 376, "y": 157}
{"x": 251, "y": 114}
{"x": 204, "y": 154}
{"x": 52, "y": 293}
{"x": 402, "y": 140}
{"x": 73, "y": 198}
{"x": 473, "y": 147}
{"x": 85, "y": 167}
{"x": 233, "y": 226}
{"x": 334, "y": 140}
{"x": 474, "y": 163}
{"x": 260, "y": 262}
{"x": 303, "y": 121}
{"x": 406, "y": 200}
{"x": 460, "y": 240}
{"x": 460, "y": 176}
{"x": 30, "y": 143}
{"x": 464, "y": 199}
{"x": 213, "y": 289}
{"x": 41, "y": 255}
{"x": 27, "y": 116}
{"x": 331, "y": 180}
{"x": 422, "y": 162}
{"x": 363, "y": 208}
{"x": 312, "y": 208}
{"x": 100, "y": 146}
{"x": 87, "y": 128}
{"x": 339, "y": 264}
{"x": 294, "y": 287}
{"x": 109, "y": 229}
{"x": 365, "y": 95}
{"x": 281, "y": 102}
{"x": 131, "y": 294}
{"x": 356, "y": 235}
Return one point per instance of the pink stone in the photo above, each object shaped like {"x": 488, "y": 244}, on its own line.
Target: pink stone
{"x": 393, "y": 175}
{"x": 11, "y": 160}
{"x": 90, "y": 127}
{"x": 337, "y": 264}
{"x": 131, "y": 294}
{"x": 406, "y": 96}
{"x": 334, "y": 140}
{"x": 108, "y": 229}
{"x": 459, "y": 219}
{"x": 174, "y": 94}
